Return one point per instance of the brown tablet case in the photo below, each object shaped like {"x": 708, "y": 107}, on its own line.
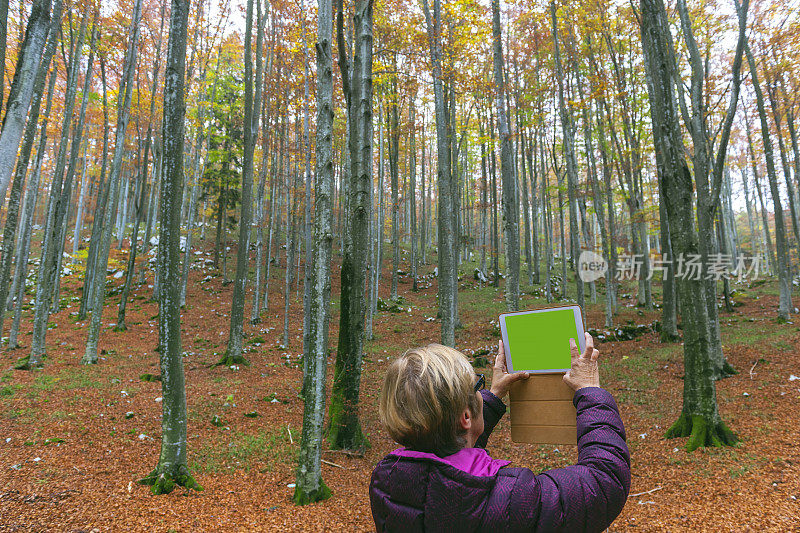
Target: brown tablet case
{"x": 542, "y": 411}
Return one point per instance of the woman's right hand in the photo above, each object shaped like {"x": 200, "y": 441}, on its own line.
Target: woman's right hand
{"x": 584, "y": 371}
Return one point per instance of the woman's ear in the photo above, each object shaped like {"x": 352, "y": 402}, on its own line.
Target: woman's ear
{"x": 465, "y": 420}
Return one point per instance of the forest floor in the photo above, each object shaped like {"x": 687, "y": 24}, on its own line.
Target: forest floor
{"x": 74, "y": 439}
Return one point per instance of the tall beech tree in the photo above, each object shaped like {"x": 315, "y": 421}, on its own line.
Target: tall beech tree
{"x": 705, "y": 165}
{"x": 447, "y": 250}
{"x": 344, "y": 429}
{"x": 234, "y": 355}
{"x": 507, "y": 167}
{"x": 570, "y": 159}
{"x": 310, "y": 486}
{"x": 699, "y": 419}
{"x": 21, "y": 91}
{"x": 172, "y": 466}
{"x": 60, "y": 190}
{"x": 104, "y": 246}
{"x": 781, "y": 244}
{"x": 12, "y": 215}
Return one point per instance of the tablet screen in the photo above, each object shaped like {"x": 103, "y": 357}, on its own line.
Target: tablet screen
{"x": 538, "y": 341}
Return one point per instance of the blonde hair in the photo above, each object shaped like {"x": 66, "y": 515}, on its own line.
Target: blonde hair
{"x": 424, "y": 392}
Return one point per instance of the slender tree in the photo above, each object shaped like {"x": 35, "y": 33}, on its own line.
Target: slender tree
{"x": 507, "y": 168}
{"x": 12, "y": 216}
{"x": 412, "y": 178}
{"x": 172, "y": 466}
{"x": 60, "y": 190}
{"x": 104, "y": 246}
{"x": 345, "y": 428}
{"x": 448, "y": 268}
{"x": 569, "y": 156}
{"x": 21, "y": 92}
{"x": 31, "y": 196}
{"x": 310, "y": 486}
{"x": 234, "y": 354}
{"x": 781, "y": 244}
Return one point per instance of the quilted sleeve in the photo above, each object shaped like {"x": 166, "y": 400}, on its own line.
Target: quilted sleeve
{"x": 493, "y": 411}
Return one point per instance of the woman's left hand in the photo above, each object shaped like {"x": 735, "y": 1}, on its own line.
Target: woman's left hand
{"x": 501, "y": 379}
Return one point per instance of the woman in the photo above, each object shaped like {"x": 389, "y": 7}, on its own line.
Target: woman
{"x": 443, "y": 480}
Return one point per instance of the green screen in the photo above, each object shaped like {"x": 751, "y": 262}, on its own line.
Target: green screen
{"x": 540, "y": 341}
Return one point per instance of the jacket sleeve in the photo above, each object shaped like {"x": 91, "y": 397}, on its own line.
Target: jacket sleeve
{"x": 493, "y": 411}
{"x": 589, "y": 495}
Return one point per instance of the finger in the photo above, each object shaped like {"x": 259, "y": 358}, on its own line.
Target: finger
{"x": 567, "y": 377}
{"x": 574, "y": 350}
{"x": 587, "y": 353}
{"x": 517, "y": 376}
{"x": 500, "y": 360}
{"x": 595, "y": 354}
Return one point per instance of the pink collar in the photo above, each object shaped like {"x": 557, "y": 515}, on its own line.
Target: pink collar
{"x": 474, "y": 461}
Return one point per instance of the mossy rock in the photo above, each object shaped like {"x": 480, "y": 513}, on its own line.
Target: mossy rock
{"x": 390, "y": 306}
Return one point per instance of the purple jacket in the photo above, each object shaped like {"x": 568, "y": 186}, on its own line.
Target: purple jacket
{"x": 469, "y": 491}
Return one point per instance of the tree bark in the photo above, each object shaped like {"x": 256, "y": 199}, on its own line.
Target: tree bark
{"x": 310, "y": 486}
{"x": 12, "y": 216}
{"x": 784, "y": 278}
{"x": 103, "y": 189}
{"x": 571, "y": 162}
{"x": 507, "y": 167}
{"x": 448, "y": 272}
{"x": 21, "y": 92}
{"x": 344, "y": 430}
{"x": 393, "y": 128}
{"x": 123, "y": 117}
{"x": 56, "y": 210}
{"x": 234, "y": 355}
{"x": 172, "y": 466}
{"x": 699, "y": 419}
{"x": 412, "y": 167}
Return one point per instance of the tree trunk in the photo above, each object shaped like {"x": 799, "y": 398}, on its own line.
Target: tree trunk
{"x": 172, "y": 466}
{"x": 766, "y": 237}
{"x": 393, "y": 128}
{"x": 484, "y": 204}
{"x": 21, "y": 92}
{"x": 784, "y": 278}
{"x": 233, "y": 355}
{"x": 526, "y": 208}
{"x": 699, "y": 419}
{"x": 76, "y": 235}
{"x": 310, "y": 486}
{"x": 102, "y": 204}
{"x": 265, "y": 144}
{"x": 345, "y": 428}
{"x": 123, "y": 116}
{"x": 3, "y": 45}
{"x": 412, "y": 168}
{"x": 495, "y": 235}
{"x": 423, "y": 233}
{"x": 508, "y": 169}
{"x": 597, "y": 200}
{"x": 60, "y": 192}
{"x": 571, "y": 163}
{"x": 140, "y": 195}
{"x": 448, "y": 271}
{"x": 12, "y": 215}
{"x": 532, "y": 166}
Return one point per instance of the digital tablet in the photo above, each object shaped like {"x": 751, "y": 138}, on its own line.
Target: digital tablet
{"x": 538, "y": 341}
